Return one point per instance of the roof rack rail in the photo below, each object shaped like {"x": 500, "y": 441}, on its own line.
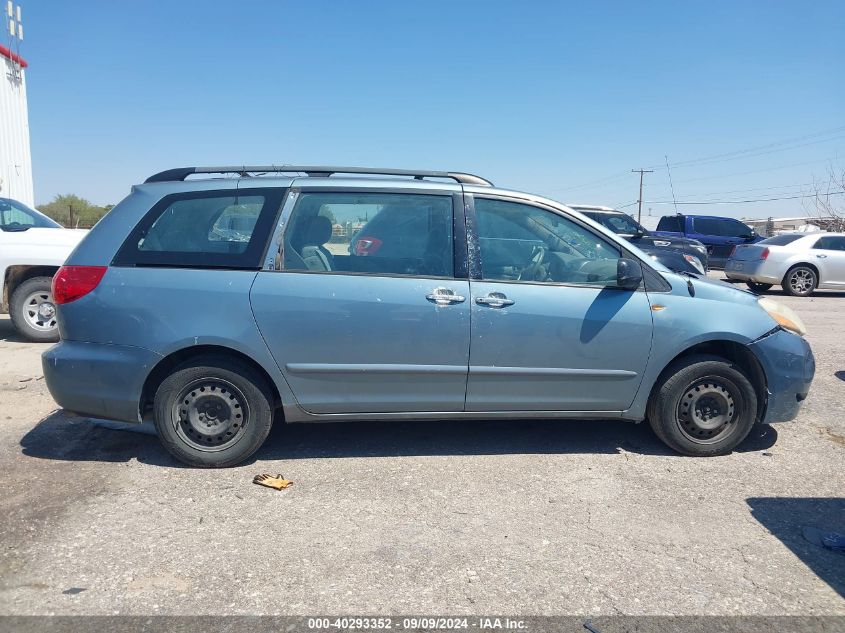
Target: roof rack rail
{"x": 180, "y": 173}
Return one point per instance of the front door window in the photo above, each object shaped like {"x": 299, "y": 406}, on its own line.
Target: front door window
{"x": 520, "y": 242}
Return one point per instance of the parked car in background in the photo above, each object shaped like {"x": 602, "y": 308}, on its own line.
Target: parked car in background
{"x": 676, "y": 261}
{"x": 718, "y": 234}
{"x": 694, "y": 253}
{"x": 32, "y": 247}
{"x": 799, "y": 262}
{"x": 508, "y": 306}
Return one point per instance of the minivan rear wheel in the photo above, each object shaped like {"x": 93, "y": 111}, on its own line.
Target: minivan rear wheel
{"x": 213, "y": 413}
{"x": 703, "y": 406}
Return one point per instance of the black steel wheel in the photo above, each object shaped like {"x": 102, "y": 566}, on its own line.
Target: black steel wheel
{"x": 210, "y": 414}
{"x": 702, "y": 406}
{"x": 707, "y": 409}
{"x": 213, "y": 412}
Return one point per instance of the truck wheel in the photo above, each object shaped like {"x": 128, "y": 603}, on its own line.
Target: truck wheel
{"x": 800, "y": 281}
{"x": 213, "y": 413}
{"x": 704, "y": 406}
{"x": 755, "y": 287}
{"x": 33, "y": 312}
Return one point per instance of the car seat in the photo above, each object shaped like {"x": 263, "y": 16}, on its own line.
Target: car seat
{"x": 309, "y": 244}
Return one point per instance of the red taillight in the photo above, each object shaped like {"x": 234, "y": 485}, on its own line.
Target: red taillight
{"x": 764, "y": 254}
{"x": 73, "y": 282}
{"x": 733, "y": 252}
{"x": 367, "y": 245}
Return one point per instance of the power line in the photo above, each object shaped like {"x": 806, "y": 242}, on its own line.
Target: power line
{"x": 759, "y": 171}
{"x": 768, "y": 148}
{"x": 616, "y": 176}
{"x": 741, "y": 153}
{"x": 671, "y": 186}
{"x": 703, "y": 202}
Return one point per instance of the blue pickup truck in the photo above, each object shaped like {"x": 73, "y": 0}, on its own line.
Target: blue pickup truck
{"x": 719, "y": 234}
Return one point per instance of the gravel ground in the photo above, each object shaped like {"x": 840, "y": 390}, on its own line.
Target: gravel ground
{"x": 543, "y": 517}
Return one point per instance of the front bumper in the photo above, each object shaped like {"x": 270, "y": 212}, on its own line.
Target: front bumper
{"x": 98, "y": 380}
{"x": 789, "y": 366}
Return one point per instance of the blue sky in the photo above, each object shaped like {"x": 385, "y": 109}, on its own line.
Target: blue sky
{"x": 548, "y": 97}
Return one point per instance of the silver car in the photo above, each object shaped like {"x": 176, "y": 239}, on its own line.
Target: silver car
{"x": 799, "y": 262}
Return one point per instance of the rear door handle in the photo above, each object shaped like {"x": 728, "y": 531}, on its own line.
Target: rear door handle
{"x": 494, "y": 300}
{"x": 444, "y": 296}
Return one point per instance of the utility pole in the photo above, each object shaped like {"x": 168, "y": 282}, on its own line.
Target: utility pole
{"x": 640, "y": 200}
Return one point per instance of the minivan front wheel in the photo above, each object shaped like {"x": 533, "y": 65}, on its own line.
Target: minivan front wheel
{"x": 704, "y": 406}
{"x": 213, "y": 413}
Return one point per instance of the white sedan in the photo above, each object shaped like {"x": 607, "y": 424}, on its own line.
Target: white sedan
{"x": 799, "y": 262}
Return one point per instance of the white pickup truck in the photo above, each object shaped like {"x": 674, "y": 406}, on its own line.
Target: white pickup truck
{"x": 32, "y": 247}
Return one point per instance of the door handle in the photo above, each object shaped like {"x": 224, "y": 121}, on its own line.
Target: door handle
{"x": 444, "y": 296}
{"x": 494, "y": 300}
{"x": 821, "y": 256}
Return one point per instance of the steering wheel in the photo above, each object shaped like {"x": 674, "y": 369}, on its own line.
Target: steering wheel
{"x": 536, "y": 270}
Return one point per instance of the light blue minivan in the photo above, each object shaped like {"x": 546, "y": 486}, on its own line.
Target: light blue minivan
{"x": 217, "y": 305}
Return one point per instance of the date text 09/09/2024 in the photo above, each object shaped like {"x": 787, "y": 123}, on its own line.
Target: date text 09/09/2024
{"x": 414, "y": 623}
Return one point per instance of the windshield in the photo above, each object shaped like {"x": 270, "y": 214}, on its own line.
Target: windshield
{"x": 619, "y": 223}
{"x": 17, "y": 216}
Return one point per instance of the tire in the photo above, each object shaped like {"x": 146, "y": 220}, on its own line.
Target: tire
{"x": 33, "y": 312}
{"x": 756, "y": 287}
{"x": 800, "y": 281}
{"x": 680, "y": 410}
{"x": 214, "y": 412}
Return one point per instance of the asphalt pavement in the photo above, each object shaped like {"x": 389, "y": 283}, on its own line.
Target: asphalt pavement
{"x": 507, "y": 517}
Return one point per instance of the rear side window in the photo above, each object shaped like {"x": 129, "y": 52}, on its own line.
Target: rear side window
{"x": 706, "y": 226}
{"x": 721, "y": 227}
{"x": 216, "y": 229}
{"x": 375, "y": 233}
{"x": 781, "y": 240}
{"x": 671, "y": 223}
{"x": 831, "y": 243}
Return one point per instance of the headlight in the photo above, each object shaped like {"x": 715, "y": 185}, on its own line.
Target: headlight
{"x": 696, "y": 263}
{"x": 783, "y": 316}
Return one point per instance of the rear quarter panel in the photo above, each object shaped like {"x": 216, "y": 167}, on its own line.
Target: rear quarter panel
{"x": 165, "y": 310}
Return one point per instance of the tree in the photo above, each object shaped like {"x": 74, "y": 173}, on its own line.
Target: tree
{"x": 828, "y": 201}
{"x": 74, "y": 212}
{"x": 770, "y": 226}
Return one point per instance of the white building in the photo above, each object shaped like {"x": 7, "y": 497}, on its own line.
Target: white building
{"x": 15, "y": 159}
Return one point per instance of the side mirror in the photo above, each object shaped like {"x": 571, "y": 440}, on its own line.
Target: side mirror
{"x": 629, "y": 274}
